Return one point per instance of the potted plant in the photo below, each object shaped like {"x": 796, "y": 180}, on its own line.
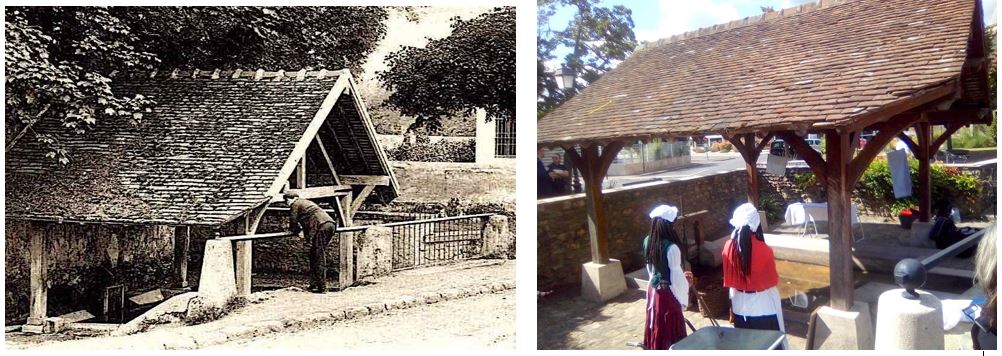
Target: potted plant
{"x": 906, "y": 217}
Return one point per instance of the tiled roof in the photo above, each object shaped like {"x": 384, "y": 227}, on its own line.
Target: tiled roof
{"x": 830, "y": 63}
{"x": 210, "y": 149}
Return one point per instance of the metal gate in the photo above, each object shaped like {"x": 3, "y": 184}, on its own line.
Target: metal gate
{"x": 433, "y": 241}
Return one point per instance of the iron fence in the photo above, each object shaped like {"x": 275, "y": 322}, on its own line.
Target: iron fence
{"x": 432, "y": 241}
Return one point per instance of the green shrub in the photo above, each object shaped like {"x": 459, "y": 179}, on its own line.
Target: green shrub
{"x": 804, "y": 181}
{"x": 773, "y": 208}
{"x": 441, "y": 151}
{"x": 877, "y": 192}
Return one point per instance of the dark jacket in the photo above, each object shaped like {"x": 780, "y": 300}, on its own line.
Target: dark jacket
{"x": 307, "y": 216}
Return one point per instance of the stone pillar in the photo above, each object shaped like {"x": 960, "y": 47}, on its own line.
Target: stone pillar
{"x": 486, "y": 132}
{"x": 909, "y": 324}
{"x": 182, "y": 242}
{"x": 374, "y": 252}
{"x": 495, "y": 237}
{"x": 217, "y": 283}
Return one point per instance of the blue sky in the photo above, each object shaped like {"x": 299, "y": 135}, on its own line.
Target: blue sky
{"x": 659, "y": 19}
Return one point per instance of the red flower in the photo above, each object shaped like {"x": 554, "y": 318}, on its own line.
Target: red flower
{"x": 906, "y": 212}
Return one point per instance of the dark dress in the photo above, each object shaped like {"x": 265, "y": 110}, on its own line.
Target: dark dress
{"x": 318, "y": 228}
{"x": 544, "y": 185}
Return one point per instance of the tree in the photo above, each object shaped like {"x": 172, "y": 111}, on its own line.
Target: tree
{"x": 597, "y": 38}
{"x": 991, "y": 34}
{"x": 61, "y": 60}
{"x": 473, "y": 68}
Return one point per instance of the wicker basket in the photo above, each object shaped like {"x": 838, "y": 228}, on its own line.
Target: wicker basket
{"x": 715, "y": 302}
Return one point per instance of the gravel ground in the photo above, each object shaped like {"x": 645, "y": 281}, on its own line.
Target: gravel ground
{"x": 475, "y": 323}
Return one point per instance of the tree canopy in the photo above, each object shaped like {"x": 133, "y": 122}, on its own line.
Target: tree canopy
{"x": 473, "y": 68}
{"x": 61, "y": 60}
{"x": 595, "y": 39}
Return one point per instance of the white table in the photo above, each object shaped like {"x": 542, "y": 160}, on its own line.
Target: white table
{"x": 810, "y": 213}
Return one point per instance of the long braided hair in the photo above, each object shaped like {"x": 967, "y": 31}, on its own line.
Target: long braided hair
{"x": 743, "y": 247}
{"x": 662, "y": 232}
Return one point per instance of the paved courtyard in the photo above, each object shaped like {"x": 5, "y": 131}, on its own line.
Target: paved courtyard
{"x": 568, "y": 322}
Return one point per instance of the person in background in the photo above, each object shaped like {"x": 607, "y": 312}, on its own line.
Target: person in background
{"x": 983, "y": 333}
{"x": 668, "y": 290}
{"x": 750, "y": 274}
{"x": 559, "y": 175}
{"x": 544, "y": 184}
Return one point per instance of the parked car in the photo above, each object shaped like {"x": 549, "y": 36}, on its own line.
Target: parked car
{"x": 781, "y": 148}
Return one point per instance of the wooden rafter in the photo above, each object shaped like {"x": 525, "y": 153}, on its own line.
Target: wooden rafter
{"x": 322, "y": 192}
{"x": 887, "y": 132}
{"x": 908, "y": 141}
{"x": 327, "y": 158}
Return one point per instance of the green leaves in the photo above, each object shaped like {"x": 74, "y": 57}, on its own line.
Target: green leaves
{"x": 472, "y": 68}
{"x": 596, "y": 38}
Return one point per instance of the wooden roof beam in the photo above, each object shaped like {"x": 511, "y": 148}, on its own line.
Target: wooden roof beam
{"x": 365, "y": 180}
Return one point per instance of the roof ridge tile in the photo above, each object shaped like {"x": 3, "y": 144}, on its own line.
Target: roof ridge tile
{"x": 239, "y": 74}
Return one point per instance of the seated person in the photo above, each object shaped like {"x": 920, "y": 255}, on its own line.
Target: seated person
{"x": 945, "y": 232}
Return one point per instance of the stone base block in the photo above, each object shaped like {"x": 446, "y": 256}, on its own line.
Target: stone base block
{"x": 844, "y": 330}
{"x": 709, "y": 253}
{"x": 909, "y": 324}
{"x": 217, "y": 282}
{"x": 601, "y": 282}
{"x": 919, "y": 236}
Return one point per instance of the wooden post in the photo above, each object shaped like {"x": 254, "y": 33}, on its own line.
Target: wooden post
{"x": 593, "y": 166}
{"x": 182, "y": 242}
{"x": 301, "y": 173}
{"x": 346, "y": 204}
{"x": 346, "y": 260}
{"x": 923, "y": 155}
{"x": 750, "y": 151}
{"x": 39, "y": 277}
{"x": 838, "y": 188}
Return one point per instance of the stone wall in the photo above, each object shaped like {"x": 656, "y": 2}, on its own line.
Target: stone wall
{"x": 562, "y": 230}
{"x": 82, "y": 260}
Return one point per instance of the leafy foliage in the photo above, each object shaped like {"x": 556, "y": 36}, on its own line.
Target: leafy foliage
{"x": 58, "y": 66}
{"x": 472, "y": 68}
{"x": 62, "y": 60}
{"x": 598, "y": 38}
{"x": 298, "y": 37}
{"x": 877, "y": 191}
{"x": 440, "y": 151}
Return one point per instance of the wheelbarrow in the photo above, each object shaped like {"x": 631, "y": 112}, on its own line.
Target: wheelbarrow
{"x": 726, "y": 338}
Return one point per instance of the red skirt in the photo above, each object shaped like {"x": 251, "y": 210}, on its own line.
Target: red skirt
{"x": 668, "y": 326}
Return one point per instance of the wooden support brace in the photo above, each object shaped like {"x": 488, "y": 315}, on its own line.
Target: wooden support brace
{"x": 357, "y": 202}
{"x": 301, "y": 173}
{"x": 321, "y": 192}
{"x": 813, "y": 158}
{"x": 327, "y": 158}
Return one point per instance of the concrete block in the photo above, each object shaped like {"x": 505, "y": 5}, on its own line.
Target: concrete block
{"x": 844, "y": 330}
{"x": 77, "y": 316}
{"x": 637, "y": 279}
{"x": 150, "y": 297}
{"x": 601, "y": 282}
{"x": 217, "y": 283}
{"x": 374, "y": 248}
{"x": 909, "y": 324}
{"x": 919, "y": 236}
{"x": 709, "y": 253}
{"x": 496, "y": 237}
{"x": 33, "y": 329}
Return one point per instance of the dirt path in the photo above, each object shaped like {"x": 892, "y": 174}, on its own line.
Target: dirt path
{"x": 475, "y": 323}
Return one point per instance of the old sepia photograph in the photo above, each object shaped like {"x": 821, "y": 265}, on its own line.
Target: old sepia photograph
{"x": 763, "y": 175}
{"x": 260, "y": 178}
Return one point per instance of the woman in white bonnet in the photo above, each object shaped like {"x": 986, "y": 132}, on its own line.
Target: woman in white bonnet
{"x": 668, "y": 290}
{"x": 750, "y": 273}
